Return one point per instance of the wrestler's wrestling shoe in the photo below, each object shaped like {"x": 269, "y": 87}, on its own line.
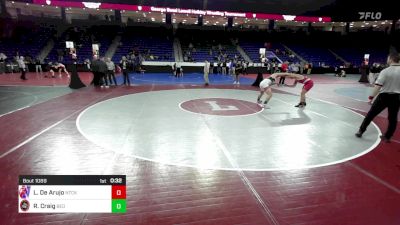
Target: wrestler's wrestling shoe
{"x": 300, "y": 105}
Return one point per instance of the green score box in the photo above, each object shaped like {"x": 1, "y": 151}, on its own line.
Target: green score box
{"x": 118, "y": 206}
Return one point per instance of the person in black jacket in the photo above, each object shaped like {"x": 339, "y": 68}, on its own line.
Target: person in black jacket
{"x": 95, "y": 67}
{"x": 258, "y": 80}
{"x": 102, "y": 73}
{"x": 124, "y": 64}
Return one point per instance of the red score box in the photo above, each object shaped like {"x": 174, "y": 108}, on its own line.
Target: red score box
{"x": 118, "y": 191}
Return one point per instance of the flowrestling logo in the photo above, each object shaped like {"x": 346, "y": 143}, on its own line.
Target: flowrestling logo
{"x": 370, "y": 15}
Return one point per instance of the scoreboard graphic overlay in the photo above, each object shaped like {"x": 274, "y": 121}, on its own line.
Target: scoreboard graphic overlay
{"x": 72, "y": 194}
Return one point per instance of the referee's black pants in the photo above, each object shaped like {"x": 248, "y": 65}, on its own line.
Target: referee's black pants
{"x": 383, "y": 101}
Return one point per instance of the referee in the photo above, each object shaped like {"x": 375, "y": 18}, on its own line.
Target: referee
{"x": 388, "y": 87}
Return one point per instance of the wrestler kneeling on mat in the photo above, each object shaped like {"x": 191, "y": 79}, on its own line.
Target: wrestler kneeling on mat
{"x": 307, "y": 85}
{"x": 265, "y": 88}
{"x": 57, "y": 67}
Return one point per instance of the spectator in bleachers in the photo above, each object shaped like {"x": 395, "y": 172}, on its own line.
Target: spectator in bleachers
{"x": 22, "y": 67}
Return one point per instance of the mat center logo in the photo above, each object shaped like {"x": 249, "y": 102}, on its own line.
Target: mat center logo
{"x": 221, "y": 107}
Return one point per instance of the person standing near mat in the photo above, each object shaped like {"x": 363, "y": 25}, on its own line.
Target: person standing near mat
{"x": 307, "y": 85}
{"x": 103, "y": 69}
{"x": 124, "y": 66}
{"x": 206, "y": 71}
{"x": 110, "y": 76}
{"x": 238, "y": 71}
{"x": 22, "y": 67}
{"x": 284, "y": 69}
{"x": 387, "y": 93}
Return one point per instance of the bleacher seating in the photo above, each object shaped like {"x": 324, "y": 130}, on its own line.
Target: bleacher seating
{"x": 204, "y": 41}
{"x": 151, "y": 42}
{"x": 26, "y": 41}
{"x": 356, "y": 56}
{"x": 316, "y": 55}
{"x": 83, "y": 40}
